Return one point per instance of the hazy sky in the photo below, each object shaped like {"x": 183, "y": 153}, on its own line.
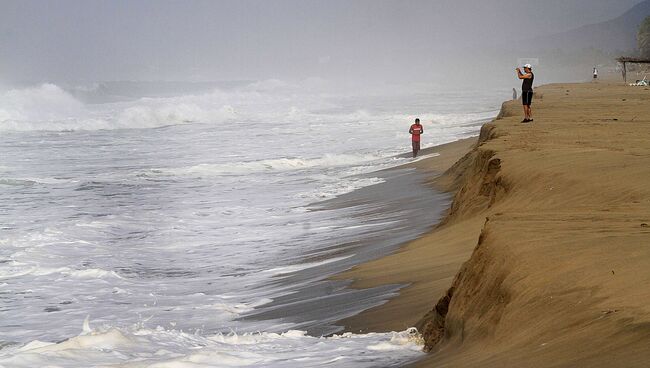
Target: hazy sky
{"x": 253, "y": 39}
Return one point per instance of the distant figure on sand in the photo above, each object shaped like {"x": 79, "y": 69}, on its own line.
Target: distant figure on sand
{"x": 595, "y": 73}
{"x": 526, "y": 91}
{"x": 416, "y": 130}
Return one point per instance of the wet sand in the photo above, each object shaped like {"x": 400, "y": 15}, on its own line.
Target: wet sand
{"x": 426, "y": 264}
{"x": 377, "y": 220}
{"x": 543, "y": 259}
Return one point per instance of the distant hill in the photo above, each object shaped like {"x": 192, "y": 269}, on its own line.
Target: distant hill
{"x": 618, "y": 34}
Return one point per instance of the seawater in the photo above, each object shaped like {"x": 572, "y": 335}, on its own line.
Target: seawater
{"x": 140, "y": 229}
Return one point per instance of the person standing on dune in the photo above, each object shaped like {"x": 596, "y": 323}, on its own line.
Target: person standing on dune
{"x": 526, "y": 91}
{"x": 416, "y": 130}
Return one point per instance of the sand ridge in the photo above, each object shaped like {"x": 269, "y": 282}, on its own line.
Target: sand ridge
{"x": 552, "y": 222}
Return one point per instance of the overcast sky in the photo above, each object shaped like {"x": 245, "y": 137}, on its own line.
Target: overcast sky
{"x": 89, "y": 40}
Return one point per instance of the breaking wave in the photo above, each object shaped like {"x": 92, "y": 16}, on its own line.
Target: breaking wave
{"x": 108, "y": 346}
{"x": 269, "y": 165}
{"x": 49, "y": 107}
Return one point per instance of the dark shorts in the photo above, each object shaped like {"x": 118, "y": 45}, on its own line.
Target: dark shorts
{"x": 416, "y": 145}
{"x": 526, "y": 97}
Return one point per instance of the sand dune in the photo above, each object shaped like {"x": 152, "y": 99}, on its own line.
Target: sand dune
{"x": 552, "y": 222}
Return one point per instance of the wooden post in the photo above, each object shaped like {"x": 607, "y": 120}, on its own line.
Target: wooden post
{"x": 624, "y": 72}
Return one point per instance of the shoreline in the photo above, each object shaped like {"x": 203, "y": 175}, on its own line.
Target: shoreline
{"x": 364, "y": 275}
{"x": 378, "y": 219}
{"x": 402, "y": 208}
{"x": 542, "y": 253}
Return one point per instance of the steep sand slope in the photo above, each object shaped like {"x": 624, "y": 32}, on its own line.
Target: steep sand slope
{"x": 560, "y": 273}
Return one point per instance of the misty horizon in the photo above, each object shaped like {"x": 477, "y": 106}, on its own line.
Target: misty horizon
{"x": 76, "y": 41}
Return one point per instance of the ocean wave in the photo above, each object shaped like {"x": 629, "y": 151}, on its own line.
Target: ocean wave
{"x": 16, "y": 182}
{"x": 90, "y": 273}
{"x": 48, "y": 107}
{"x": 128, "y": 347}
{"x": 152, "y": 116}
{"x": 285, "y": 270}
{"x": 18, "y": 269}
{"x": 31, "y": 181}
{"x": 235, "y": 309}
{"x": 45, "y": 102}
{"x": 269, "y": 165}
{"x": 340, "y": 187}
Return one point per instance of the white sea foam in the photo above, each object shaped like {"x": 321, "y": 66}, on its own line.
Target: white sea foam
{"x": 339, "y": 187}
{"x": 235, "y": 309}
{"x": 16, "y": 269}
{"x": 303, "y": 266}
{"x": 269, "y": 165}
{"x": 45, "y": 102}
{"x": 90, "y": 273}
{"x": 140, "y": 347}
{"x": 31, "y": 181}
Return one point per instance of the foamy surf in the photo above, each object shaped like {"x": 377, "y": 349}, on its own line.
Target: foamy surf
{"x": 272, "y": 165}
{"x": 49, "y": 107}
{"x": 17, "y": 269}
{"x": 203, "y": 214}
{"x": 142, "y": 347}
{"x": 424, "y": 157}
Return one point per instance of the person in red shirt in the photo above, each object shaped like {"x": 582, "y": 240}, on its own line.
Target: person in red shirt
{"x": 416, "y": 130}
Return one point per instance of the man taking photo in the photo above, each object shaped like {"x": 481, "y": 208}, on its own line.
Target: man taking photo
{"x": 526, "y": 91}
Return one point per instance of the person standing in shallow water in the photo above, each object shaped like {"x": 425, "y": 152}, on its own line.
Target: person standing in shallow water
{"x": 416, "y": 130}
{"x": 527, "y": 91}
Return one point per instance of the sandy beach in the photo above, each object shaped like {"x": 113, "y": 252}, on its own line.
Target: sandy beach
{"x": 543, "y": 258}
